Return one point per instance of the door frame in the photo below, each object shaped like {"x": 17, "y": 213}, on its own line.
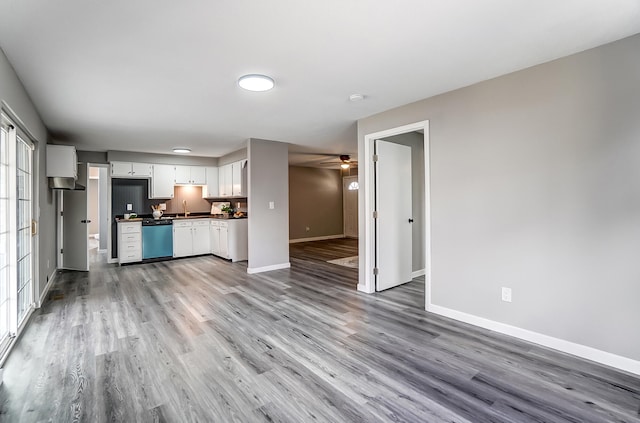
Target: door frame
{"x": 366, "y": 207}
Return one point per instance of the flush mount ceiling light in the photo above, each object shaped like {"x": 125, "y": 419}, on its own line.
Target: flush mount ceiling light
{"x": 255, "y": 82}
{"x": 356, "y": 97}
{"x": 182, "y": 150}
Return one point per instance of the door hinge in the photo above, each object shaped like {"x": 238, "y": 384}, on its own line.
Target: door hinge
{"x": 375, "y": 214}
{"x": 375, "y": 158}
{"x": 375, "y": 271}
{"x": 61, "y": 250}
{"x": 61, "y": 213}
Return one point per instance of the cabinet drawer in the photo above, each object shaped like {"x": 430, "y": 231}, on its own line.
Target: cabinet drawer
{"x": 182, "y": 224}
{"x": 130, "y": 247}
{"x": 201, "y": 222}
{"x": 223, "y": 224}
{"x": 215, "y": 223}
{"x": 127, "y": 228}
{"x": 130, "y": 237}
{"x": 130, "y": 256}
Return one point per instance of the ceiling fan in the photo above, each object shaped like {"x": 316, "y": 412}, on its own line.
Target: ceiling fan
{"x": 323, "y": 160}
{"x": 347, "y": 162}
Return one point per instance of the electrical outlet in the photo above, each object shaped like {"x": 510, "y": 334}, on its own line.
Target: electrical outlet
{"x": 163, "y": 206}
{"x": 129, "y": 207}
{"x": 272, "y": 205}
{"x": 506, "y": 294}
{"x": 307, "y": 229}
{"x": 48, "y": 264}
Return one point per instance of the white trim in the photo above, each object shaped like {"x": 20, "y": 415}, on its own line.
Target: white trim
{"x": 366, "y": 279}
{"x": 418, "y": 273}
{"x": 252, "y": 270}
{"x": 579, "y": 350}
{"x": 52, "y": 278}
{"x": 316, "y": 238}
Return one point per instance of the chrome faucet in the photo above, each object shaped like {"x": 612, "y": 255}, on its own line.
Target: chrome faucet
{"x": 184, "y": 206}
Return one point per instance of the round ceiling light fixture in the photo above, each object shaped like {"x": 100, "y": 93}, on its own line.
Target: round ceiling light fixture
{"x": 182, "y": 150}
{"x": 356, "y": 97}
{"x": 255, "y": 82}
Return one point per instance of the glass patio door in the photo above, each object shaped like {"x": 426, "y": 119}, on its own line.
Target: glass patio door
{"x": 16, "y": 243}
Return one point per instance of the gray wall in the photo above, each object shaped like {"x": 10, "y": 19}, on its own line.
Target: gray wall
{"x": 93, "y": 199}
{"x": 315, "y": 201}
{"x": 268, "y": 181}
{"x": 15, "y": 99}
{"x": 415, "y": 140}
{"x": 177, "y": 159}
{"x": 535, "y": 186}
{"x": 104, "y": 207}
{"x": 233, "y": 157}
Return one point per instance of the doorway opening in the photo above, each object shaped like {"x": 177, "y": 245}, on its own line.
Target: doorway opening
{"x": 417, "y": 136}
{"x": 98, "y": 214}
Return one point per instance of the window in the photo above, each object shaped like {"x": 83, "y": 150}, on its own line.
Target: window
{"x": 353, "y": 186}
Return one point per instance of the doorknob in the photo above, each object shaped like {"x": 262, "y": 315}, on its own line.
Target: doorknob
{"x": 85, "y": 221}
{"x": 410, "y": 220}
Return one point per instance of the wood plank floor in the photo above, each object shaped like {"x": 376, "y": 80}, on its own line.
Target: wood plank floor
{"x": 199, "y": 339}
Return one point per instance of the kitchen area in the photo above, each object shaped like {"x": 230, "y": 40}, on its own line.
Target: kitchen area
{"x": 162, "y": 211}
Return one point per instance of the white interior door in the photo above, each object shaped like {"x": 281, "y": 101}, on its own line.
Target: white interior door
{"x": 75, "y": 233}
{"x": 350, "y": 205}
{"x": 394, "y": 210}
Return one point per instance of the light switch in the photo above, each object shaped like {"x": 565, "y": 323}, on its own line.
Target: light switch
{"x": 163, "y": 206}
{"x": 272, "y": 205}
{"x": 129, "y": 207}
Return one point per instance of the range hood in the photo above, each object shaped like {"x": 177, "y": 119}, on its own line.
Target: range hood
{"x": 65, "y": 183}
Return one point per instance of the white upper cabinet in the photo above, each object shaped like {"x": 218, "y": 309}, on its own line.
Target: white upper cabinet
{"x": 130, "y": 170}
{"x": 231, "y": 179}
{"x": 191, "y": 175}
{"x": 62, "y": 161}
{"x": 210, "y": 189}
{"x": 162, "y": 182}
{"x": 225, "y": 181}
{"x": 236, "y": 172}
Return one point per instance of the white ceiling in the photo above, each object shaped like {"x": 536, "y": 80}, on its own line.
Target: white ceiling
{"x": 149, "y": 75}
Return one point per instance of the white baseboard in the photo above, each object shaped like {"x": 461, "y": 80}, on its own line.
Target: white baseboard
{"x": 417, "y": 273}
{"x": 599, "y": 356}
{"x": 363, "y": 288}
{"x": 315, "y": 238}
{"x": 45, "y": 291}
{"x": 268, "y": 268}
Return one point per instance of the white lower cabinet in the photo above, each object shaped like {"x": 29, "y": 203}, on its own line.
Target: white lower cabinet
{"x": 229, "y": 239}
{"x": 191, "y": 237}
{"x": 129, "y": 242}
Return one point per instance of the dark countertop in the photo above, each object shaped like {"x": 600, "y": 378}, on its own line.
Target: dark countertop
{"x": 140, "y": 218}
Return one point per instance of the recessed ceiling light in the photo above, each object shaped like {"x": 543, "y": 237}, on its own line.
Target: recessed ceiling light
{"x": 182, "y": 150}
{"x": 255, "y": 82}
{"x": 356, "y": 97}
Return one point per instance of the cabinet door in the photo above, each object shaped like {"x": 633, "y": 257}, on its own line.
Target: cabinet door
{"x": 201, "y": 238}
{"x": 120, "y": 169}
{"x": 224, "y": 242}
{"x": 210, "y": 189}
{"x": 228, "y": 180}
{"x": 198, "y": 175}
{"x": 162, "y": 181}
{"x": 141, "y": 170}
{"x": 215, "y": 238}
{"x": 183, "y": 175}
{"x": 182, "y": 241}
{"x": 236, "y": 176}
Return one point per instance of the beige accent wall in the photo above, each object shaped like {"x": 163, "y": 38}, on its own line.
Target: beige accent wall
{"x": 315, "y": 202}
